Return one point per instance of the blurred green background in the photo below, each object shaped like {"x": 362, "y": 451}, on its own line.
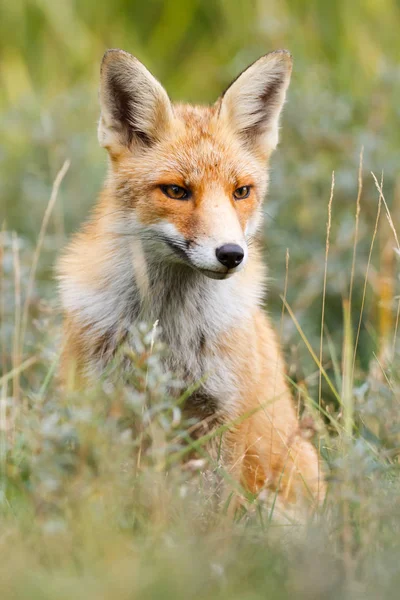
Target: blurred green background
{"x": 344, "y": 95}
{"x": 70, "y": 524}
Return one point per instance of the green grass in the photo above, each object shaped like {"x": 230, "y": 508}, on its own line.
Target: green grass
{"x": 81, "y": 515}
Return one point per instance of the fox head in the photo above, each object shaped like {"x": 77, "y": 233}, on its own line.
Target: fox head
{"x": 190, "y": 180}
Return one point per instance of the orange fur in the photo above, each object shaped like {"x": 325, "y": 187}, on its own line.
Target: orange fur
{"x": 146, "y": 256}
{"x": 268, "y": 445}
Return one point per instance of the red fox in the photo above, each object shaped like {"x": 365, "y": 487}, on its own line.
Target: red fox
{"x": 173, "y": 239}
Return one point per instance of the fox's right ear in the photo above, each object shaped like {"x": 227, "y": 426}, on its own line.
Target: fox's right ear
{"x": 135, "y": 108}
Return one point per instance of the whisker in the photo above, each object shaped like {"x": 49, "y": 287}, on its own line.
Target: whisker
{"x": 110, "y": 214}
{"x": 270, "y": 217}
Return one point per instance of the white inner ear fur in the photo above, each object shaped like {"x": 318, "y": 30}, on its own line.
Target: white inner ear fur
{"x": 134, "y": 105}
{"x": 253, "y": 102}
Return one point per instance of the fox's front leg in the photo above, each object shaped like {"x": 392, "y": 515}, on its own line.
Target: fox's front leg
{"x": 265, "y": 448}
{"x": 282, "y": 462}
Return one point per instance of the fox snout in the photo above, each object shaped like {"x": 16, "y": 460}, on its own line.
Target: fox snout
{"x": 209, "y": 237}
{"x": 230, "y": 255}
{"x": 217, "y": 261}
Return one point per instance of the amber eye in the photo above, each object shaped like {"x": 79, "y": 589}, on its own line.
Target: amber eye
{"x": 242, "y": 192}
{"x": 175, "y": 191}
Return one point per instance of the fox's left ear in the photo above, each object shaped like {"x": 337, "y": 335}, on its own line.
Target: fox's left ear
{"x": 253, "y": 102}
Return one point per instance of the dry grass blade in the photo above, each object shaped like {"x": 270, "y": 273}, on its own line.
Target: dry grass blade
{"x": 16, "y": 356}
{"x": 285, "y": 289}
{"x": 311, "y": 351}
{"x": 29, "y": 362}
{"x": 388, "y": 215}
{"x": 2, "y": 304}
{"x": 4, "y": 387}
{"x": 366, "y": 276}
{"x": 392, "y": 227}
{"x": 46, "y": 217}
{"x": 328, "y": 231}
{"x": 396, "y": 327}
{"x": 358, "y": 208}
{"x": 321, "y": 341}
{"x": 347, "y": 377}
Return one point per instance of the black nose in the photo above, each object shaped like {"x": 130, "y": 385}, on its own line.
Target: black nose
{"x": 230, "y": 255}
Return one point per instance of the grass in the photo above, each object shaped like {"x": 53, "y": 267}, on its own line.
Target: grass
{"x": 96, "y": 501}
{"x": 95, "y": 498}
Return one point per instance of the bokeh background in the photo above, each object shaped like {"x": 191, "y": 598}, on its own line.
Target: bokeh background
{"x": 344, "y": 96}
{"x": 84, "y": 512}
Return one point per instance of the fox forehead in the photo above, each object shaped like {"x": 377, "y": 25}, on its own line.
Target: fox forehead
{"x": 197, "y": 151}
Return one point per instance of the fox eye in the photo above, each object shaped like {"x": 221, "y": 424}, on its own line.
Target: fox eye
{"x": 242, "y": 192}
{"x": 175, "y": 191}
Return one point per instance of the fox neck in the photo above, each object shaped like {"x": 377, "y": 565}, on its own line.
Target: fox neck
{"x": 192, "y": 310}
{"x": 185, "y": 301}
{"x": 131, "y": 284}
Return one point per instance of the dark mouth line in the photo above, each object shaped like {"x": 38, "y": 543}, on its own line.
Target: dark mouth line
{"x": 179, "y": 251}
{"x": 177, "y": 248}
{"x": 222, "y": 273}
